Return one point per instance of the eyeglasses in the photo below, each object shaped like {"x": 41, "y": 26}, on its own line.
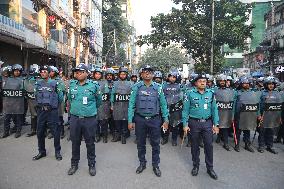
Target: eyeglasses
{"x": 43, "y": 71}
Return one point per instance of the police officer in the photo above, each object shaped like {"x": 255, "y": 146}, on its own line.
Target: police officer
{"x": 104, "y": 109}
{"x": 48, "y": 97}
{"x": 54, "y": 75}
{"x": 210, "y": 81}
{"x": 147, "y": 100}
{"x": 173, "y": 93}
{"x": 134, "y": 78}
{"x": 158, "y": 77}
{"x": 5, "y": 74}
{"x": 84, "y": 98}
{"x": 229, "y": 82}
{"x": 13, "y": 101}
{"x": 109, "y": 76}
{"x": 29, "y": 87}
{"x": 119, "y": 104}
{"x": 270, "y": 109}
{"x": 225, "y": 99}
{"x": 259, "y": 84}
{"x": 200, "y": 117}
{"x": 246, "y": 112}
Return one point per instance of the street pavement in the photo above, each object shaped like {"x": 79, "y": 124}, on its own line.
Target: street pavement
{"x": 116, "y": 165}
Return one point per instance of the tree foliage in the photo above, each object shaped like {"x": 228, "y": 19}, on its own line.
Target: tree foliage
{"x": 163, "y": 59}
{"x": 191, "y": 27}
{"x": 114, "y": 21}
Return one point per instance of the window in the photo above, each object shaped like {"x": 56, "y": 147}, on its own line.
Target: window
{"x": 11, "y": 9}
{"x": 4, "y": 7}
{"x": 29, "y": 16}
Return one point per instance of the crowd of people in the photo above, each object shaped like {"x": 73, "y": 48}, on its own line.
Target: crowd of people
{"x": 100, "y": 103}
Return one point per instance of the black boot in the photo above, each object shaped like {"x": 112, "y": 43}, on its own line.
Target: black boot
{"x": 33, "y": 127}
{"x": 226, "y": 147}
{"x": 188, "y": 141}
{"x": 5, "y": 134}
{"x": 248, "y": 147}
{"x": 165, "y": 140}
{"x": 32, "y": 133}
{"x": 105, "y": 138}
{"x": 73, "y": 169}
{"x": 18, "y": 133}
{"x": 271, "y": 150}
{"x": 218, "y": 139}
{"x": 116, "y": 137}
{"x": 123, "y": 140}
{"x": 92, "y": 170}
{"x": 237, "y": 148}
{"x": 62, "y": 133}
{"x": 260, "y": 149}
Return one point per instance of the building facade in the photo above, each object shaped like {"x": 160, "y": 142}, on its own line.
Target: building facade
{"x": 47, "y": 32}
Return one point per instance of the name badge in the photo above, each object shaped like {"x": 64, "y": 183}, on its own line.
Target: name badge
{"x": 85, "y": 100}
{"x": 205, "y": 106}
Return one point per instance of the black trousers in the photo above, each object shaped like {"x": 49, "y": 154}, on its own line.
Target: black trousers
{"x": 85, "y": 127}
{"x": 51, "y": 118}
{"x": 265, "y": 137}
{"x": 16, "y": 118}
{"x": 203, "y": 130}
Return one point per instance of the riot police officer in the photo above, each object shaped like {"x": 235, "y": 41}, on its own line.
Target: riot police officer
{"x": 229, "y": 82}
{"x": 246, "y": 112}
{"x": 173, "y": 93}
{"x": 259, "y": 84}
{"x": 48, "y": 97}
{"x": 200, "y": 117}
{"x": 84, "y": 98}
{"x": 109, "y": 76}
{"x": 147, "y": 100}
{"x": 13, "y": 101}
{"x": 29, "y": 87}
{"x": 119, "y": 104}
{"x": 225, "y": 99}
{"x": 104, "y": 109}
{"x": 5, "y": 74}
{"x": 270, "y": 109}
{"x": 158, "y": 77}
{"x": 134, "y": 78}
{"x": 210, "y": 81}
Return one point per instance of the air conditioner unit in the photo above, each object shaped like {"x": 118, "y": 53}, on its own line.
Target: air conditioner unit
{"x": 54, "y": 34}
{"x": 85, "y": 21}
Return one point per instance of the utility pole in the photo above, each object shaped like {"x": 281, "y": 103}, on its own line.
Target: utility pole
{"x": 272, "y": 36}
{"x": 115, "y": 48}
{"x": 78, "y": 34}
{"x": 212, "y": 37}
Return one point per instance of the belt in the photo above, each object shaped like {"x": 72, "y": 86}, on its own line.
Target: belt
{"x": 148, "y": 117}
{"x": 201, "y": 120}
{"x": 82, "y": 117}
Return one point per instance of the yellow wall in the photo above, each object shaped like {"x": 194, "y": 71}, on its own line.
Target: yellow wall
{"x": 15, "y": 10}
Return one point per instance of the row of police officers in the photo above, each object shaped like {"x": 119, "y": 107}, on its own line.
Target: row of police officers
{"x": 152, "y": 108}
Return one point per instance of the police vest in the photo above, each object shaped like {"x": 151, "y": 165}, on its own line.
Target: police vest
{"x": 46, "y": 94}
{"x": 147, "y": 100}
